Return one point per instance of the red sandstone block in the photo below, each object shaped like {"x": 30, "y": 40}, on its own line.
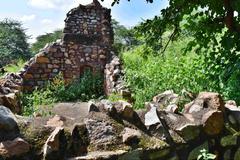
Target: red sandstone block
{"x": 42, "y": 60}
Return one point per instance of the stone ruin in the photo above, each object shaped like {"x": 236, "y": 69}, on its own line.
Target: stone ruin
{"x": 86, "y": 45}
{"x": 107, "y": 130}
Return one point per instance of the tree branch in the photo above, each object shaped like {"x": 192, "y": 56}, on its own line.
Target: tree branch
{"x": 229, "y": 19}
{"x": 169, "y": 40}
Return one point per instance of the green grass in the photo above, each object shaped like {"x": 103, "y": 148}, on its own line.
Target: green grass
{"x": 14, "y": 68}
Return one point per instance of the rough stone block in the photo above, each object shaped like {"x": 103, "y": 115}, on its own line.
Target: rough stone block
{"x": 42, "y": 60}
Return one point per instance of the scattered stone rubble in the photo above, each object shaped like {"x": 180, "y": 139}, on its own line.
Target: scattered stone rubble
{"x": 108, "y": 130}
{"x": 114, "y": 82}
{"x": 10, "y": 87}
{"x": 113, "y": 130}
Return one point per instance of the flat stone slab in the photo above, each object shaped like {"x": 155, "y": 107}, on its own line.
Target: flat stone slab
{"x": 73, "y": 112}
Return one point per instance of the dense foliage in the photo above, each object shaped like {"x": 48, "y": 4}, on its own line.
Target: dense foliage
{"x": 42, "y": 40}
{"x": 214, "y": 27}
{"x": 152, "y": 74}
{"x": 89, "y": 86}
{"x": 214, "y": 31}
{"x": 13, "y": 42}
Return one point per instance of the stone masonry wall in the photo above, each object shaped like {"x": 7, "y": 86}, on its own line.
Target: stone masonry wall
{"x": 86, "y": 44}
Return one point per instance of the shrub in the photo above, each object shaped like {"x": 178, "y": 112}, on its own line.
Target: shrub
{"x": 152, "y": 74}
{"x": 89, "y": 86}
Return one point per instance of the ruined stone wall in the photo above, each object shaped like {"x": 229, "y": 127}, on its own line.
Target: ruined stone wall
{"x": 114, "y": 79}
{"x": 86, "y": 44}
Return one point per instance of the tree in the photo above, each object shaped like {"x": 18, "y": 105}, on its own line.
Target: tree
{"x": 214, "y": 27}
{"x": 13, "y": 42}
{"x": 124, "y": 38}
{"x": 42, "y": 40}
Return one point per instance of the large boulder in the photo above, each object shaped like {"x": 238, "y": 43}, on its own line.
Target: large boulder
{"x": 205, "y": 100}
{"x": 212, "y": 100}
{"x": 8, "y": 124}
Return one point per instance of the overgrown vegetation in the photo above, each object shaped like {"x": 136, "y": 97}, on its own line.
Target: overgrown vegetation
{"x": 209, "y": 60}
{"x": 89, "y": 86}
{"x": 13, "y": 67}
{"x": 149, "y": 74}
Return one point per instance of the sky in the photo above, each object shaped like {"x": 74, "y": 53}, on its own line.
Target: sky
{"x": 44, "y": 16}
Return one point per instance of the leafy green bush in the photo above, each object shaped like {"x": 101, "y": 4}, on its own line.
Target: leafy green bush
{"x": 152, "y": 74}
{"x": 89, "y": 86}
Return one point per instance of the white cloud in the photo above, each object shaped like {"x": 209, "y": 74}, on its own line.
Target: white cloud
{"x": 27, "y": 18}
{"x": 43, "y": 4}
{"x": 62, "y": 4}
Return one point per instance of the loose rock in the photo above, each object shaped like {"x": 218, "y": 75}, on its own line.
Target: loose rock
{"x": 131, "y": 136}
{"x": 213, "y": 122}
{"x": 8, "y": 124}
{"x": 17, "y": 147}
